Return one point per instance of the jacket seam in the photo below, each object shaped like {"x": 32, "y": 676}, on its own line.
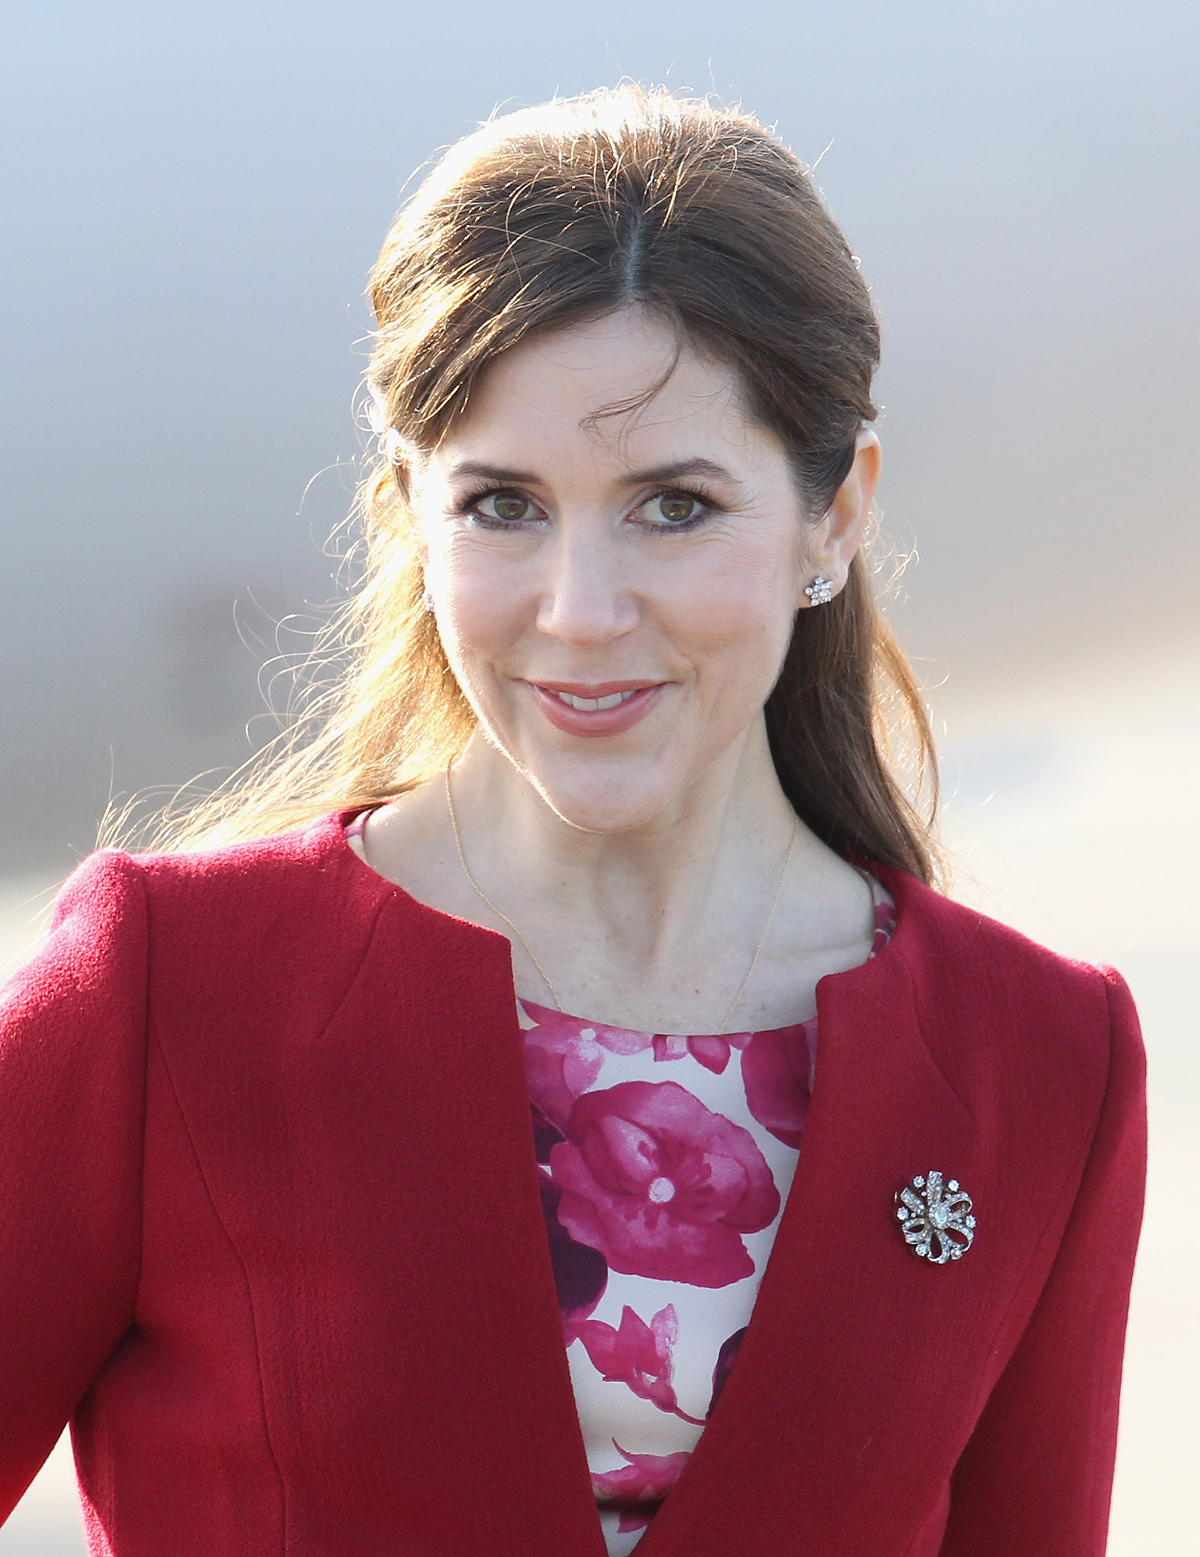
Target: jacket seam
{"x": 227, "y": 1235}
{"x": 933, "y": 1060}
{"x": 249, "y": 1290}
{"x": 352, "y": 983}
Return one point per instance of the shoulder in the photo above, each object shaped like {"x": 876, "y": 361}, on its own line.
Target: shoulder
{"x": 263, "y": 937}
{"x": 953, "y": 949}
{"x": 259, "y": 867}
{"x": 993, "y": 1004}
{"x": 274, "y": 904}
{"x": 294, "y": 872}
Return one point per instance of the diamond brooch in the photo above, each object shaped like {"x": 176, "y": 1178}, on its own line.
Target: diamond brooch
{"x": 935, "y": 1218}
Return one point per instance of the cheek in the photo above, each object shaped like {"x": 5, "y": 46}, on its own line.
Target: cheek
{"x": 738, "y": 616}
{"x": 482, "y": 608}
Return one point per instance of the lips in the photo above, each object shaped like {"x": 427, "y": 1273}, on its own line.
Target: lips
{"x": 607, "y": 708}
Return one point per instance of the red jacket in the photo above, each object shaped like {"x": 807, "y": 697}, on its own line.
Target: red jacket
{"x": 271, "y": 1238}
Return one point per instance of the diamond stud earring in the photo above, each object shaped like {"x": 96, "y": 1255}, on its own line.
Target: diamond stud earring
{"x": 427, "y": 598}
{"x": 819, "y": 592}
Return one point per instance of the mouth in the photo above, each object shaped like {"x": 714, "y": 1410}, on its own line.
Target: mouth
{"x": 607, "y": 708}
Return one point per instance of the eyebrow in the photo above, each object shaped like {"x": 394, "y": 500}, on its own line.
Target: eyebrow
{"x": 697, "y": 466}
{"x": 504, "y": 476}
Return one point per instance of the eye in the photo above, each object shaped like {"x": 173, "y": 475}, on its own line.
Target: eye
{"x": 673, "y": 509}
{"x": 504, "y": 508}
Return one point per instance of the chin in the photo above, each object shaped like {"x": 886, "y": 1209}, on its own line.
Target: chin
{"x": 606, "y": 797}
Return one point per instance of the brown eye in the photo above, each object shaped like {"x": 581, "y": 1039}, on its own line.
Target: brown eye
{"x": 673, "y": 508}
{"x": 505, "y": 506}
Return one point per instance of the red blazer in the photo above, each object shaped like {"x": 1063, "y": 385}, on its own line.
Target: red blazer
{"x": 271, "y": 1239}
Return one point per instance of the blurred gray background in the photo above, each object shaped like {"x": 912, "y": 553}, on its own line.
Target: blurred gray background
{"x": 192, "y": 197}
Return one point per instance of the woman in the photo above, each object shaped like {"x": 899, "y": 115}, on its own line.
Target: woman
{"x": 600, "y": 822}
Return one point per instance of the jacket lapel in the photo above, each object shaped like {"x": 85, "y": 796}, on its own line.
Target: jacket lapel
{"x": 489, "y": 1322}
{"x": 853, "y": 1341}
{"x": 378, "y": 1171}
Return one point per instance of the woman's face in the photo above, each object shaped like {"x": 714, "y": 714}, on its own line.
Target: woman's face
{"x": 615, "y": 593}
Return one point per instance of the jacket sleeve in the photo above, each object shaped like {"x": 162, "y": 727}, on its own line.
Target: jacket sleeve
{"x": 1036, "y": 1476}
{"x": 72, "y": 1067}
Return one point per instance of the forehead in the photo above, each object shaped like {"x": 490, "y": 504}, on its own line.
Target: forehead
{"x": 622, "y": 388}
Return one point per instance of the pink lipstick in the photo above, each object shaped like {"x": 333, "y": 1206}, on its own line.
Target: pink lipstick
{"x": 602, "y": 708}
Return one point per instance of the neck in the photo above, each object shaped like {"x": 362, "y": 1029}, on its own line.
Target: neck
{"x": 653, "y": 927}
{"x": 645, "y": 891}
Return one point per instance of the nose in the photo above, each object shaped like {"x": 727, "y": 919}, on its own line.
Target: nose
{"x": 586, "y": 600}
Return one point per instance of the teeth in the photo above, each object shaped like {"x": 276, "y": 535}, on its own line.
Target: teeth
{"x": 592, "y": 705}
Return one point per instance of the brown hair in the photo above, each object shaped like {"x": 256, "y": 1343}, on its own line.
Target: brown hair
{"x": 546, "y": 218}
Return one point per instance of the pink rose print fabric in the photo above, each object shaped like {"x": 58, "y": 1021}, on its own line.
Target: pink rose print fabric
{"x": 639, "y": 1486}
{"x": 664, "y": 1161}
{"x": 661, "y": 1185}
{"x": 638, "y": 1354}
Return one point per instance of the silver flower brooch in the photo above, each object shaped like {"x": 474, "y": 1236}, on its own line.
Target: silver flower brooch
{"x": 935, "y": 1218}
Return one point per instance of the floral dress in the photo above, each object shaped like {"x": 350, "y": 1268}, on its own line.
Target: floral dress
{"x": 664, "y": 1164}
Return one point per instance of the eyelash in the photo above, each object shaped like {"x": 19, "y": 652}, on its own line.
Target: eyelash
{"x": 471, "y": 500}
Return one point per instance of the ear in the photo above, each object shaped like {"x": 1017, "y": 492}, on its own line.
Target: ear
{"x": 401, "y": 466}
{"x": 407, "y": 471}
{"x": 405, "y": 461}
{"x": 833, "y": 544}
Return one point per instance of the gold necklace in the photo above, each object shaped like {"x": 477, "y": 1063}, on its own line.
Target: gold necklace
{"x": 499, "y": 912}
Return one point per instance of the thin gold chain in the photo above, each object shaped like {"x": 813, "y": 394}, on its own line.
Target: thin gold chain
{"x": 787, "y": 860}
{"x": 499, "y": 912}
{"x": 462, "y": 860}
